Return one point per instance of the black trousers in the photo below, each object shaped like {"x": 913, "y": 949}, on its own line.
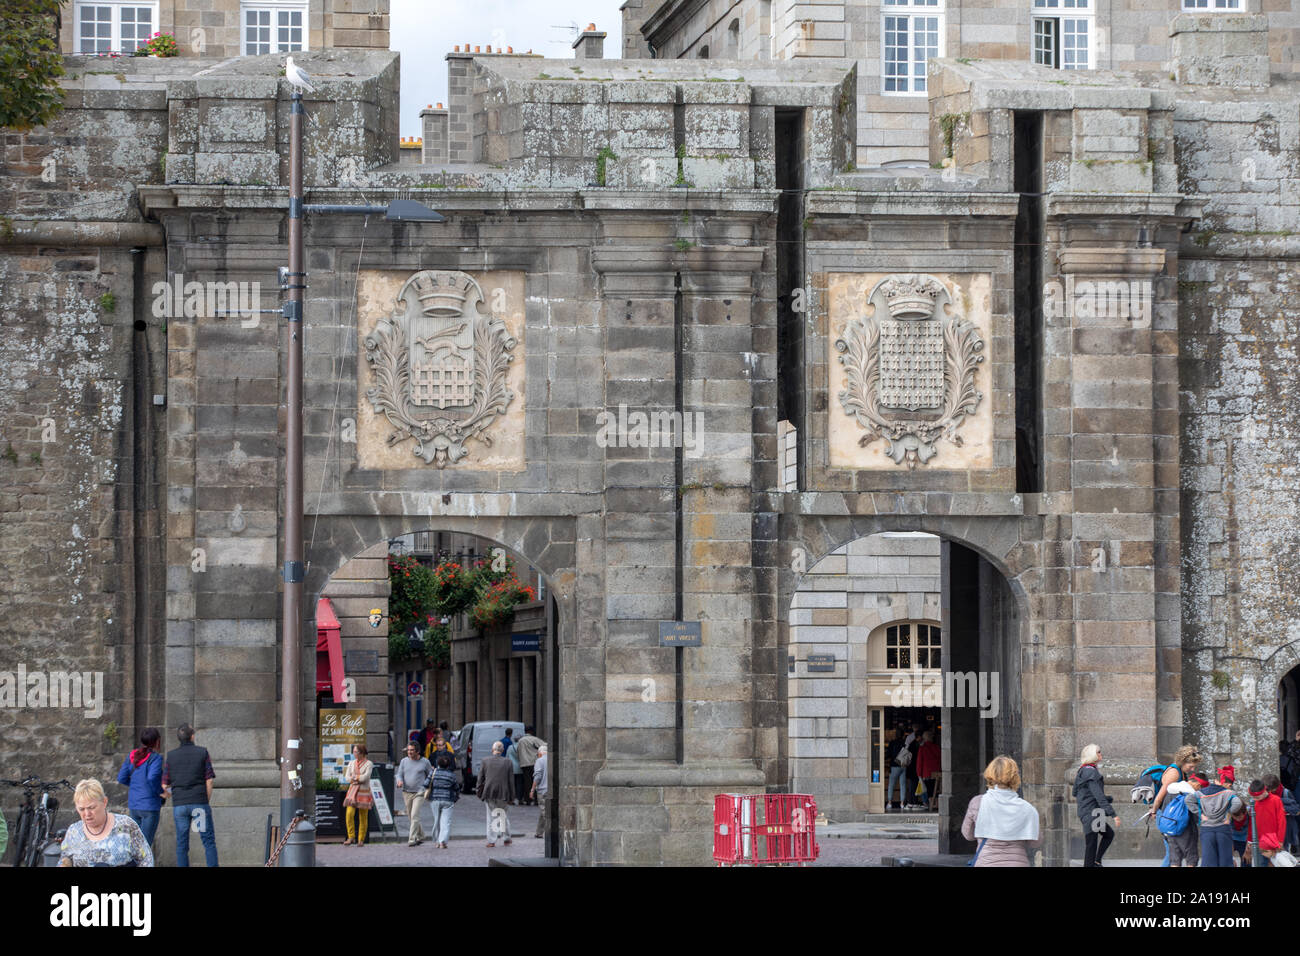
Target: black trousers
{"x": 1095, "y": 844}
{"x": 528, "y": 784}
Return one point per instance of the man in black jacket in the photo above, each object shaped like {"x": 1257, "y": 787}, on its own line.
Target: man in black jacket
{"x": 187, "y": 778}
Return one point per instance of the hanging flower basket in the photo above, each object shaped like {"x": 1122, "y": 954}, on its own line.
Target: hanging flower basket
{"x": 454, "y": 588}
{"x": 497, "y": 602}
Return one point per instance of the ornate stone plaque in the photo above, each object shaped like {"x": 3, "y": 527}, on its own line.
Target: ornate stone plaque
{"x": 440, "y": 366}
{"x": 909, "y": 368}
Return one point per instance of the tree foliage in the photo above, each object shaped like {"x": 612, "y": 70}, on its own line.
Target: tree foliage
{"x": 30, "y": 64}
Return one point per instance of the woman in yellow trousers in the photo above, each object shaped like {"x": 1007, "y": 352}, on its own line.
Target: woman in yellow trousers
{"x": 359, "y": 799}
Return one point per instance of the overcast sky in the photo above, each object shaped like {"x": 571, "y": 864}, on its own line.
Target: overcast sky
{"x": 424, "y": 31}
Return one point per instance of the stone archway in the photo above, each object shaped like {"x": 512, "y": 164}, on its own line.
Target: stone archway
{"x": 985, "y": 612}
{"x": 545, "y": 545}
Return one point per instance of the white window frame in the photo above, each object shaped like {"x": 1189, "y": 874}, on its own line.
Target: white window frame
{"x": 274, "y": 8}
{"x": 115, "y": 41}
{"x": 1213, "y": 6}
{"x": 1062, "y": 13}
{"x": 909, "y": 10}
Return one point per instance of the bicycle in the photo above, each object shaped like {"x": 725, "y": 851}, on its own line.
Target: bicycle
{"x": 35, "y": 819}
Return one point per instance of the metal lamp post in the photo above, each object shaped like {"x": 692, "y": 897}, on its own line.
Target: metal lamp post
{"x": 291, "y": 753}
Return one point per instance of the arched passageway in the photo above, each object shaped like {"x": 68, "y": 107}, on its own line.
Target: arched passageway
{"x": 410, "y": 669}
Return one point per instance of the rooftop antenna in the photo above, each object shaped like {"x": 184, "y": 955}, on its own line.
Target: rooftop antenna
{"x": 572, "y": 26}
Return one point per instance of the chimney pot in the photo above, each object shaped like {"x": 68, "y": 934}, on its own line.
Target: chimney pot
{"x": 489, "y": 48}
{"x": 510, "y": 49}
{"x": 457, "y": 47}
{"x": 476, "y": 49}
{"x": 439, "y": 106}
{"x": 591, "y": 28}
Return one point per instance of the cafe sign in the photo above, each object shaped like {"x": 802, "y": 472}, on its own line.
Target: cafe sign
{"x": 340, "y": 729}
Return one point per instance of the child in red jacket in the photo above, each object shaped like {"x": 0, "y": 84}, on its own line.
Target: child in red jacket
{"x": 1270, "y": 817}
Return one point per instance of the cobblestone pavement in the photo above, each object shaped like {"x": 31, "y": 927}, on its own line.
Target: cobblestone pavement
{"x": 855, "y": 851}
{"x": 467, "y": 846}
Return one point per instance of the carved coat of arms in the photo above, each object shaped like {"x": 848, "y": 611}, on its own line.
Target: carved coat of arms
{"x": 909, "y": 368}
{"x": 440, "y": 366}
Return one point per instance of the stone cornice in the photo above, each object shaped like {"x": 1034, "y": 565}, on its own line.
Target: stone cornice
{"x": 754, "y": 203}
{"x": 671, "y": 15}
{"x": 1171, "y": 206}
{"x": 1111, "y": 260}
{"x": 934, "y": 204}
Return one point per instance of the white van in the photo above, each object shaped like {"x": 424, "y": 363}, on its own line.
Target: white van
{"x": 474, "y": 741}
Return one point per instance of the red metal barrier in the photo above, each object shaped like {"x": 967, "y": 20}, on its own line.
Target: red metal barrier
{"x": 765, "y": 828}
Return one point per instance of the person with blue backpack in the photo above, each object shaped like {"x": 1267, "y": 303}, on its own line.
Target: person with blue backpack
{"x": 1178, "y": 826}
{"x": 1095, "y": 811}
{"x": 1153, "y": 785}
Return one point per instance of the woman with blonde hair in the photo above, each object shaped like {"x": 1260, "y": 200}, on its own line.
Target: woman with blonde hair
{"x": 101, "y": 838}
{"x": 1186, "y": 759}
{"x": 1005, "y": 825}
{"x": 1095, "y": 810}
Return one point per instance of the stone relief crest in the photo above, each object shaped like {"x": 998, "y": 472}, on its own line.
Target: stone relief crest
{"x": 440, "y": 366}
{"x": 909, "y": 368}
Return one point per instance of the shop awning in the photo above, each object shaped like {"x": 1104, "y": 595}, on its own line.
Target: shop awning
{"x": 329, "y": 651}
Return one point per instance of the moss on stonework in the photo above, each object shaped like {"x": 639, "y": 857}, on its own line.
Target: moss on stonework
{"x": 602, "y": 159}
{"x": 948, "y": 123}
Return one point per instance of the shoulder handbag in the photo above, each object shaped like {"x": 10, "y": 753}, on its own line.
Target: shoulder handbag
{"x": 971, "y": 861}
{"x": 356, "y": 797}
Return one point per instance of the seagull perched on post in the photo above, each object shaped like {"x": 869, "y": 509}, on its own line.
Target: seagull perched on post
{"x": 294, "y": 74}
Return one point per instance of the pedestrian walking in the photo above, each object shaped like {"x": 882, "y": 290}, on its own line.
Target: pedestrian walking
{"x": 528, "y": 745}
{"x": 101, "y": 838}
{"x": 913, "y": 743}
{"x": 1186, "y": 759}
{"x": 1214, "y": 805}
{"x": 517, "y": 774}
{"x": 413, "y": 775}
{"x": 1184, "y": 848}
{"x": 928, "y": 760}
{"x": 897, "y": 757}
{"x": 444, "y": 791}
{"x": 541, "y": 790}
{"x": 1006, "y": 826}
{"x": 494, "y": 783}
{"x": 360, "y": 799}
{"x": 142, "y": 773}
{"x": 188, "y": 778}
{"x": 1270, "y": 814}
{"x": 438, "y": 745}
{"x": 1095, "y": 810}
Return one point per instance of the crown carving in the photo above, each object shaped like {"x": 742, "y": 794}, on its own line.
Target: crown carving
{"x": 911, "y": 295}
{"x": 440, "y": 295}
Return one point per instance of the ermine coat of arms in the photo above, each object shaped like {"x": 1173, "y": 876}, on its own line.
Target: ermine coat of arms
{"x": 909, "y": 368}
{"x": 440, "y": 366}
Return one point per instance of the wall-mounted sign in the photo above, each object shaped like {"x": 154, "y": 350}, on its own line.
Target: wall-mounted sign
{"x": 680, "y": 634}
{"x": 414, "y": 689}
{"x": 361, "y": 662}
{"x": 821, "y": 663}
{"x": 523, "y": 643}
